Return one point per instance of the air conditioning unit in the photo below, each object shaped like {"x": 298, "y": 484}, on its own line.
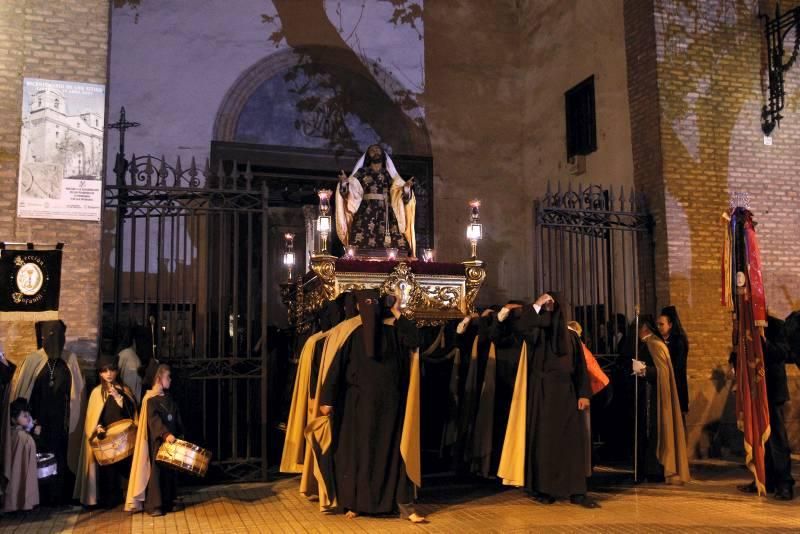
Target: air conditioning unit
{"x": 576, "y": 165}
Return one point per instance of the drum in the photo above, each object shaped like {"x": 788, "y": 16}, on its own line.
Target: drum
{"x": 184, "y": 456}
{"x": 46, "y": 465}
{"x": 117, "y": 444}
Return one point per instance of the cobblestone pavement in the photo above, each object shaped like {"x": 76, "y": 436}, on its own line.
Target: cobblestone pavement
{"x": 710, "y": 503}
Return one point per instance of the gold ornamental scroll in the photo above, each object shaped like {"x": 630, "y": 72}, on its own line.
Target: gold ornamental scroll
{"x": 427, "y": 298}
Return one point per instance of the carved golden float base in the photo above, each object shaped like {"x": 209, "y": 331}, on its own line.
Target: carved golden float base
{"x": 432, "y": 296}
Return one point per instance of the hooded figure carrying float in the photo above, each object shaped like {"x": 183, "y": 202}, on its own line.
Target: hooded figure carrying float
{"x": 371, "y": 393}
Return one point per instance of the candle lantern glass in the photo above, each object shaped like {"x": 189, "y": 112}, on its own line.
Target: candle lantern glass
{"x": 324, "y": 224}
{"x": 475, "y": 231}
{"x": 288, "y": 255}
{"x": 475, "y": 228}
{"x": 427, "y": 255}
{"x": 324, "y": 201}
{"x": 391, "y": 253}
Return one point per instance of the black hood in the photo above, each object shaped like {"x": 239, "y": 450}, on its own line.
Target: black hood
{"x": 331, "y": 314}
{"x": 51, "y": 336}
{"x": 370, "y": 308}
{"x": 559, "y": 342}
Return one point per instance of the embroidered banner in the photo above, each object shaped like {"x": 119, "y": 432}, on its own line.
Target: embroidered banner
{"x": 30, "y": 283}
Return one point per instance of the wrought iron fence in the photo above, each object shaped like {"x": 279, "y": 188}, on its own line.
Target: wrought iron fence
{"x": 594, "y": 245}
{"x": 187, "y": 251}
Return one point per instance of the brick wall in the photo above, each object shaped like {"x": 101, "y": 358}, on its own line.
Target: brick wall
{"x": 710, "y": 89}
{"x": 696, "y": 94}
{"x": 640, "y": 50}
{"x": 59, "y": 40}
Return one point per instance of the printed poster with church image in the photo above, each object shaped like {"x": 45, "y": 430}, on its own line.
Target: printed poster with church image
{"x": 61, "y": 150}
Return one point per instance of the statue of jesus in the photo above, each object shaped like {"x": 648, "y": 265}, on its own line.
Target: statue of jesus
{"x": 375, "y": 208}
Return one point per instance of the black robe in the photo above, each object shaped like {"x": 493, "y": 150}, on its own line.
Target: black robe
{"x": 6, "y": 373}
{"x": 163, "y": 418}
{"x": 778, "y": 450}
{"x": 679, "y": 355}
{"x": 50, "y": 407}
{"x": 555, "y": 437}
{"x": 649, "y": 467}
{"x": 315, "y": 365}
{"x": 368, "y": 396}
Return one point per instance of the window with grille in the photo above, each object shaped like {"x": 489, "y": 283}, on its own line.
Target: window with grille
{"x": 581, "y": 123}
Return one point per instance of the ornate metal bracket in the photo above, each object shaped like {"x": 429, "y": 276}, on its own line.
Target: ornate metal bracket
{"x": 289, "y": 299}
{"x": 324, "y": 289}
{"x": 775, "y": 31}
{"x": 476, "y": 275}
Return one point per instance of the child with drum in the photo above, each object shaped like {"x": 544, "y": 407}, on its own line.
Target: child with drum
{"x": 109, "y": 433}
{"x": 151, "y": 485}
{"x": 22, "y": 491}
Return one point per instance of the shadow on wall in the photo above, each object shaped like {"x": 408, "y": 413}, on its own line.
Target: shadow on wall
{"x": 712, "y": 417}
{"x": 325, "y": 91}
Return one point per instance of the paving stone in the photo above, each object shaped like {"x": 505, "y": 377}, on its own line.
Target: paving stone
{"x": 709, "y": 503}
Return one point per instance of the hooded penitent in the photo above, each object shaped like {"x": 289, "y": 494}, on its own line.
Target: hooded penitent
{"x": 372, "y": 386}
{"x": 51, "y": 336}
{"x": 370, "y": 309}
{"x": 544, "y": 442}
{"x": 51, "y": 380}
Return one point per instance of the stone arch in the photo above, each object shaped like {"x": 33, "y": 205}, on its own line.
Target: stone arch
{"x": 409, "y": 136}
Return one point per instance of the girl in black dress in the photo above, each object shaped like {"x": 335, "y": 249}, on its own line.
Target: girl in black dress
{"x": 109, "y": 402}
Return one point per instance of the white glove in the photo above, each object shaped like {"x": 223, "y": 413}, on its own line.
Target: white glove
{"x": 502, "y": 314}
{"x": 638, "y": 367}
{"x": 462, "y": 326}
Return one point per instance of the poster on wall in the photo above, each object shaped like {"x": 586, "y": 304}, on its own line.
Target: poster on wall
{"x": 61, "y": 150}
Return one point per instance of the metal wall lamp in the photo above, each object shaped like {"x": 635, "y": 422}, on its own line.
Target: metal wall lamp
{"x": 775, "y": 31}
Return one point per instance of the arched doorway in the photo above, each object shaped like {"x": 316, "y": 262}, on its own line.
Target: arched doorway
{"x": 321, "y": 98}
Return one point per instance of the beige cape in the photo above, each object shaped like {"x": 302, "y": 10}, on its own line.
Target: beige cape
{"x": 22, "y": 491}
{"x": 512, "y": 459}
{"x": 671, "y": 451}
{"x": 312, "y": 482}
{"x": 294, "y": 445}
{"x": 140, "y": 465}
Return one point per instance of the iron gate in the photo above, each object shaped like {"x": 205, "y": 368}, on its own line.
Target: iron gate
{"x": 594, "y": 246}
{"x": 185, "y": 252}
